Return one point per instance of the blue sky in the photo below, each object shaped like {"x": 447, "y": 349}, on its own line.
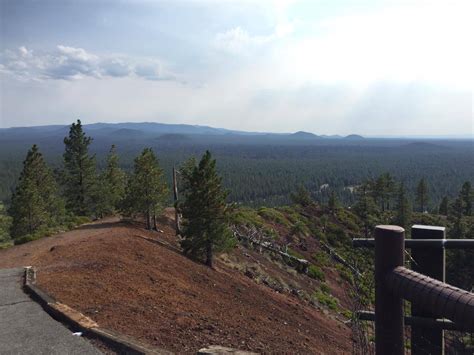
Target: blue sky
{"x": 328, "y": 67}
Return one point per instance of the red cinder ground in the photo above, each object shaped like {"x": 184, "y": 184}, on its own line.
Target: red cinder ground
{"x": 156, "y": 295}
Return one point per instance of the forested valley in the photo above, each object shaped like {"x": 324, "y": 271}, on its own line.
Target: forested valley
{"x": 379, "y": 181}
{"x": 261, "y": 170}
{"x": 304, "y": 200}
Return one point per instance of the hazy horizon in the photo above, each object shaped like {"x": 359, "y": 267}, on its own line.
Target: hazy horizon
{"x": 375, "y": 68}
{"x": 456, "y": 137}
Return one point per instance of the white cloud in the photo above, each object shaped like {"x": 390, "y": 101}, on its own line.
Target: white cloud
{"x": 238, "y": 41}
{"x": 69, "y": 63}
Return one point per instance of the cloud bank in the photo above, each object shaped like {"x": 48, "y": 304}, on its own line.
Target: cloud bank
{"x": 70, "y": 63}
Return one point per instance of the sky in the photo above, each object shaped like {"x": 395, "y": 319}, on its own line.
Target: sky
{"x": 376, "y": 68}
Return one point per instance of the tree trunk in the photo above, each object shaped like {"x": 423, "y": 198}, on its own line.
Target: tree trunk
{"x": 154, "y": 220}
{"x": 175, "y": 193}
{"x": 209, "y": 254}
{"x": 148, "y": 222}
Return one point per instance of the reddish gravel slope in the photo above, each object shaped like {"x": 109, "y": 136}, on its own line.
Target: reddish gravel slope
{"x": 154, "y": 294}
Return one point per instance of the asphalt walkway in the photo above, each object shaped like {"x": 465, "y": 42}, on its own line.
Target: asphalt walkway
{"x": 25, "y": 328}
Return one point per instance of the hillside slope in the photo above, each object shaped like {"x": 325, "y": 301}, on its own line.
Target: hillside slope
{"x": 151, "y": 292}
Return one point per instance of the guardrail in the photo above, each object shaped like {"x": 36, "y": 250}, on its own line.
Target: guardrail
{"x": 424, "y": 287}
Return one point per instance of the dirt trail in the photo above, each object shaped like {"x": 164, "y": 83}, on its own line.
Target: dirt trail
{"x": 160, "y": 297}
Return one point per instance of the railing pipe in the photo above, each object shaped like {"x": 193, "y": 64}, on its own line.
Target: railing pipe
{"x": 421, "y": 322}
{"x": 421, "y": 243}
{"x": 442, "y": 299}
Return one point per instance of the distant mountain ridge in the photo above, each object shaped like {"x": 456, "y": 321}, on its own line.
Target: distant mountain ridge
{"x": 156, "y": 128}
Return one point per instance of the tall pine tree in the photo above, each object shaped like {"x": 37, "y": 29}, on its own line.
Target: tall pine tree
{"x": 109, "y": 189}
{"x": 333, "y": 203}
{"x": 205, "y": 212}
{"x": 466, "y": 197}
{"x": 146, "y": 190}
{"x": 115, "y": 178}
{"x": 302, "y": 196}
{"x": 444, "y": 206}
{"x": 35, "y": 202}
{"x": 79, "y": 171}
{"x": 403, "y": 209}
{"x": 422, "y": 194}
{"x": 384, "y": 189}
{"x": 366, "y": 208}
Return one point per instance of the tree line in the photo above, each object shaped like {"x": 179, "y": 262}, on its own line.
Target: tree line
{"x": 376, "y": 199}
{"x": 44, "y": 201}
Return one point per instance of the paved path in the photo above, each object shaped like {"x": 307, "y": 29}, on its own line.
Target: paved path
{"x": 25, "y": 328}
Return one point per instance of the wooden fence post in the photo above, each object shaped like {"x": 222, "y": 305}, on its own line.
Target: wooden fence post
{"x": 389, "y": 253}
{"x": 429, "y": 262}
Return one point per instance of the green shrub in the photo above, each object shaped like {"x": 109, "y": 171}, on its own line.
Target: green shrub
{"x": 321, "y": 258}
{"x": 40, "y": 233}
{"x": 70, "y": 223}
{"x": 247, "y": 217}
{"x": 274, "y": 215}
{"x": 346, "y": 275}
{"x": 295, "y": 253}
{"x": 336, "y": 235}
{"x": 326, "y": 300}
{"x": 316, "y": 273}
{"x": 325, "y": 288}
{"x": 299, "y": 228}
{"x": 4, "y": 245}
{"x": 347, "y": 313}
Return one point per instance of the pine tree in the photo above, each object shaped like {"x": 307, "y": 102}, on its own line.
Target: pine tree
{"x": 146, "y": 190}
{"x": 384, "y": 189}
{"x": 443, "y": 206}
{"x": 403, "y": 208}
{"x": 333, "y": 203}
{"x": 115, "y": 178}
{"x": 35, "y": 202}
{"x": 205, "y": 212}
{"x": 466, "y": 197}
{"x": 109, "y": 189}
{"x": 456, "y": 210}
{"x": 301, "y": 197}
{"x": 366, "y": 208}
{"x": 422, "y": 194}
{"x": 79, "y": 173}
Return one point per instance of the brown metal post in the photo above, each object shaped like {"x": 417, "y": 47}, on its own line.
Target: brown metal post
{"x": 429, "y": 262}
{"x": 389, "y": 253}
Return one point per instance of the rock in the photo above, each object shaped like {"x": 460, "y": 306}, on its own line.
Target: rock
{"x": 217, "y": 349}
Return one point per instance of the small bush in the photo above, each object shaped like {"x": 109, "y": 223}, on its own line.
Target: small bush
{"x": 273, "y": 215}
{"x": 321, "y": 258}
{"x": 295, "y": 253}
{"x": 300, "y": 229}
{"x": 326, "y": 300}
{"x": 325, "y": 288}
{"x": 40, "y": 233}
{"x": 246, "y": 216}
{"x": 316, "y": 273}
{"x": 346, "y": 275}
{"x": 336, "y": 235}
{"x": 70, "y": 223}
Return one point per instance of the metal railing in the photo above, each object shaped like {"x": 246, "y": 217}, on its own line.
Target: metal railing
{"x": 431, "y": 298}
